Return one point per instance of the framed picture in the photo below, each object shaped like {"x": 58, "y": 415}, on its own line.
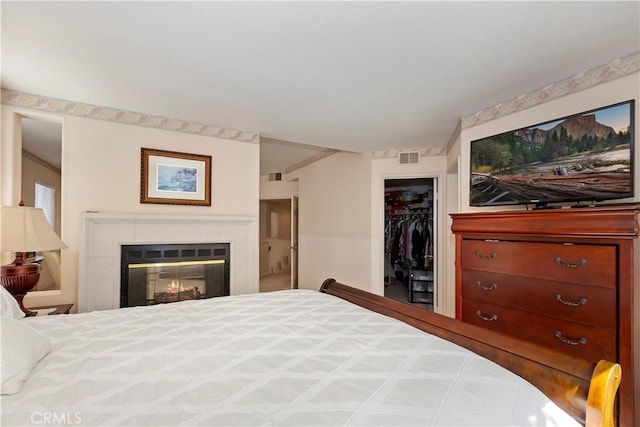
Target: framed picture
{"x": 172, "y": 178}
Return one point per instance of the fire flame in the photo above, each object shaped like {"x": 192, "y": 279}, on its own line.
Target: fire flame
{"x": 175, "y": 286}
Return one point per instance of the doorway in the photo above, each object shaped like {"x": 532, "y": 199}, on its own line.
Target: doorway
{"x": 410, "y": 239}
{"x": 278, "y": 244}
{"x": 41, "y": 186}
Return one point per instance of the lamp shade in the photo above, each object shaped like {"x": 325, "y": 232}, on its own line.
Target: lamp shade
{"x": 25, "y": 229}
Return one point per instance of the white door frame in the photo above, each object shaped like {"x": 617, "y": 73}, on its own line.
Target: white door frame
{"x": 377, "y": 225}
{"x": 294, "y": 242}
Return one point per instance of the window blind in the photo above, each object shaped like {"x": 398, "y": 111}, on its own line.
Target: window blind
{"x": 45, "y": 199}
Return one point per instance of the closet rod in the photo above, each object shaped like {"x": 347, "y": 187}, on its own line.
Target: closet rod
{"x": 411, "y": 214}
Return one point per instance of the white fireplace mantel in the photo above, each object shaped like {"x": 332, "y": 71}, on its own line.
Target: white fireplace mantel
{"x": 103, "y": 234}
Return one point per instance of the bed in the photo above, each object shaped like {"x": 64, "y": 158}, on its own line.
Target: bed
{"x": 340, "y": 356}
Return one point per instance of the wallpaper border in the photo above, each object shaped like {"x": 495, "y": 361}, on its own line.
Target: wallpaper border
{"x": 615, "y": 69}
{"x": 79, "y": 109}
{"x": 312, "y": 159}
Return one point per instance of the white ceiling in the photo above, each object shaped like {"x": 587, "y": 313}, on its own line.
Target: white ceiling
{"x": 355, "y": 76}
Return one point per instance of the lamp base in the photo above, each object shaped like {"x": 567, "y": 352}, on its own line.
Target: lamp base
{"x": 19, "y": 278}
{"x": 27, "y": 312}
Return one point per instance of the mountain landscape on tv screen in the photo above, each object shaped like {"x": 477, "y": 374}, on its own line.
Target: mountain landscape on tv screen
{"x": 577, "y": 158}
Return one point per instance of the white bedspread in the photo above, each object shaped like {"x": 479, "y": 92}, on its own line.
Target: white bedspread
{"x": 281, "y": 358}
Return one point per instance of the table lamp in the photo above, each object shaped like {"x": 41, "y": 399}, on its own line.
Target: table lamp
{"x": 23, "y": 230}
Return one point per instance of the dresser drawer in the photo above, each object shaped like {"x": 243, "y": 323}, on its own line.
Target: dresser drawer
{"x": 579, "y": 340}
{"x": 574, "y": 263}
{"x": 585, "y": 304}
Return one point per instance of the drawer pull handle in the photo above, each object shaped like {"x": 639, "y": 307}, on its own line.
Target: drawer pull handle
{"x": 582, "y": 340}
{"x": 491, "y": 318}
{"x": 580, "y": 262}
{"x": 479, "y": 255}
{"x": 486, "y": 288}
{"x": 582, "y": 301}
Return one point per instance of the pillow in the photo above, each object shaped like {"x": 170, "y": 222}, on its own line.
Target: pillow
{"x": 21, "y": 347}
{"x": 9, "y": 306}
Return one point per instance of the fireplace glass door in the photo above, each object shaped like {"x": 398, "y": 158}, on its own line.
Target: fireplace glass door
{"x": 168, "y": 273}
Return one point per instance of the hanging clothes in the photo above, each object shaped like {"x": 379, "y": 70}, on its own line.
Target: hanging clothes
{"x": 408, "y": 239}
{"x": 418, "y": 245}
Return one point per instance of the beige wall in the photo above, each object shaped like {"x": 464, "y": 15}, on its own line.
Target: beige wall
{"x": 334, "y": 216}
{"x": 283, "y": 209}
{"x": 341, "y": 217}
{"x": 277, "y": 190}
{"x": 101, "y": 171}
{"x": 334, "y": 221}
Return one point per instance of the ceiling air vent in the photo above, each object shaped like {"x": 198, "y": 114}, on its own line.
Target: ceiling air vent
{"x": 409, "y": 157}
{"x": 275, "y": 176}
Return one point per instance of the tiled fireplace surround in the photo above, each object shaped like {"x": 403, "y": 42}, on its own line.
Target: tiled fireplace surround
{"x": 102, "y": 234}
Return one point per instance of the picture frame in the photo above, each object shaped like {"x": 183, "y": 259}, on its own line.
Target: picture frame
{"x": 173, "y": 178}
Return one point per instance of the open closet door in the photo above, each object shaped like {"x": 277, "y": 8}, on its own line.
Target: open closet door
{"x": 294, "y": 242}
{"x": 410, "y": 240}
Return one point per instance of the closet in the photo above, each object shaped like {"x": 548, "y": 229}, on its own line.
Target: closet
{"x": 409, "y": 240}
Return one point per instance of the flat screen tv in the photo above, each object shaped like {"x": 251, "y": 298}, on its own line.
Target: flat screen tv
{"x": 586, "y": 157}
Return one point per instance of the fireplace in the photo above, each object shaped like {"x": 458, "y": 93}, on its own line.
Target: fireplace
{"x": 102, "y": 235}
{"x": 163, "y": 273}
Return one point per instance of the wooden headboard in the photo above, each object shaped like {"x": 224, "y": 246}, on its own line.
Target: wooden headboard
{"x": 584, "y": 390}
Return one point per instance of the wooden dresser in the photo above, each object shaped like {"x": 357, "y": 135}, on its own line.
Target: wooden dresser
{"x": 566, "y": 279}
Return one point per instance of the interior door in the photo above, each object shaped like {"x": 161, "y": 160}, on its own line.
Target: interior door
{"x": 411, "y": 240}
{"x": 294, "y": 242}
{"x": 434, "y": 244}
